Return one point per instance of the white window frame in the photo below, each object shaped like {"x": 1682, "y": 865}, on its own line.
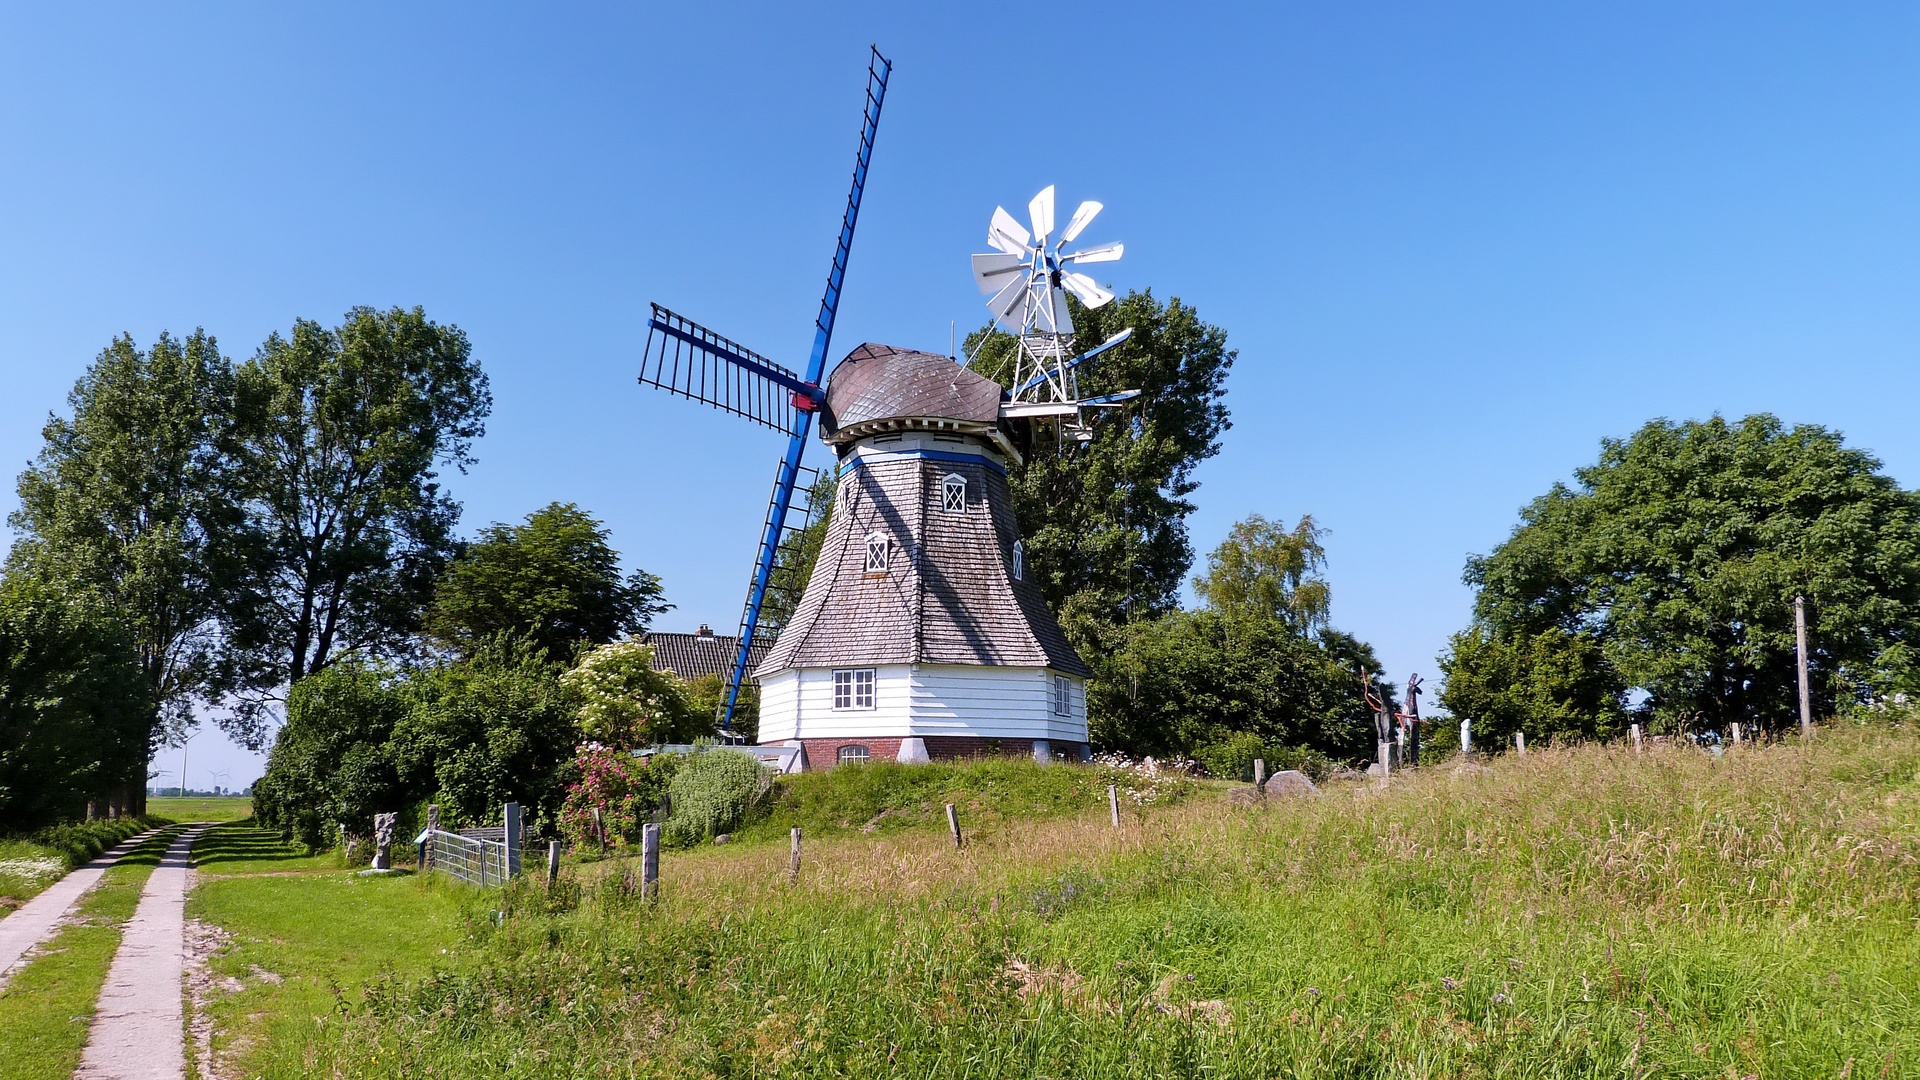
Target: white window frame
{"x": 853, "y": 689}
{"x": 1062, "y": 696}
{"x": 879, "y": 556}
{"x": 953, "y": 493}
{"x": 1019, "y": 560}
{"x": 865, "y": 755}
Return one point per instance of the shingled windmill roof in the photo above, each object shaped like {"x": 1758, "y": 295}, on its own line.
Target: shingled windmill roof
{"x": 950, "y": 599}
{"x": 882, "y": 383}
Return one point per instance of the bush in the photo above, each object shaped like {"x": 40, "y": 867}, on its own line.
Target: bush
{"x": 1232, "y": 758}
{"x": 625, "y": 703}
{"x": 496, "y": 728}
{"x": 712, "y": 794}
{"x": 330, "y": 768}
{"x": 624, "y": 792}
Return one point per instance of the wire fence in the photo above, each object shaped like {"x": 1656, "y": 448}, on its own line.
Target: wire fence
{"x": 470, "y": 859}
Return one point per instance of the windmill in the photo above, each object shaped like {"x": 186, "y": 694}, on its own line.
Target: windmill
{"x": 1027, "y": 278}
{"x": 687, "y": 359}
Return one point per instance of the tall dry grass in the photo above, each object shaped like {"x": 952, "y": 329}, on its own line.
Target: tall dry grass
{"x": 1584, "y": 911}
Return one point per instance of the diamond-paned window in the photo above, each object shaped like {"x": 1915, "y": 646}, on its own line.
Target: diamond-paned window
{"x": 953, "y": 494}
{"x": 1019, "y": 560}
{"x": 879, "y": 554}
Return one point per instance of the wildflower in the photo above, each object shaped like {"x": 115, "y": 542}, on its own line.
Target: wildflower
{"x": 1448, "y": 982}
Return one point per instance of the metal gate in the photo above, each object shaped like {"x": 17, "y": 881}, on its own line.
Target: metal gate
{"x": 484, "y": 856}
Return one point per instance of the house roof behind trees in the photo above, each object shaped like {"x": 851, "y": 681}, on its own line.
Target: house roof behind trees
{"x": 692, "y": 656}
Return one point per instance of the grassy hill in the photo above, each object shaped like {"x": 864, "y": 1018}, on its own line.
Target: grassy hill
{"x": 1583, "y": 912}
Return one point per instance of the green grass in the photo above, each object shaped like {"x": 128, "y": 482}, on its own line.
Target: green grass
{"x": 884, "y": 796}
{"x": 302, "y": 944}
{"x": 1580, "y": 912}
{"x": 231, "y": 808}
{"x": 46, "y": 1007}
{"x": 241, "y": 847}
{"x": 30, "y": 863}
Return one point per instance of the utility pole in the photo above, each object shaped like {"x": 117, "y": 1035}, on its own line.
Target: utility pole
{"x": 1800, "y": 639}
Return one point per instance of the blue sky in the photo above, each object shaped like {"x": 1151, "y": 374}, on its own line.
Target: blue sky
{"x": 1455, "y": 245}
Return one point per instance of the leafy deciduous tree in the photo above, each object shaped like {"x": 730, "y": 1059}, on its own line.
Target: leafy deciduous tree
{"x": 1266, "y": 570}
{"x": 554, "y": 580}
{"x": 340, "y": 433}
{"x": 75, "y": 708}
{"x": 131, "y": 497}
{"x": 1681, "y": 550}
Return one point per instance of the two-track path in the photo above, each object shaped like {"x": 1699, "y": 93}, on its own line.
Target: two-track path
{"x": 38, "y": 919}
{"x": 138, "y": 1027}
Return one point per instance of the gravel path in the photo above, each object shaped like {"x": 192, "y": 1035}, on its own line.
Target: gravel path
{"x": 138, "y": 1026}
{"x": 38, "y": 919}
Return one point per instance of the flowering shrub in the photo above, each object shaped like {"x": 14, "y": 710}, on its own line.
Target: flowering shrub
{"x": 1147, "y": 782}
{"x": 713, "y": 793}
{"x": 625, "y": 703}
{"x": 624, "y": 792}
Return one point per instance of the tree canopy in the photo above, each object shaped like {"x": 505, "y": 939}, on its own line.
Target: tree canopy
{"x": 1266, "y": 570}
{"x": 131, "y": 497}
{"x": 554, "y": 580}
{"x": 340, "y": 434}
{"x": 1679, "y": 554}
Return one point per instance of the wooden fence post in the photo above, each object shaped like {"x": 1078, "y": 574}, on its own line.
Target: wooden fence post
{"x": 1466, "y": 737}
{"x": 1638, "y": 748}
{"x": 793, "y": 858}
{"x": 1260, "y": 773}
{"x": 433, "y": 825}
{"x": 1800, "y": 651}
{"x": 553, "y": 862}
{"x": 1736, "y": 734}
{"x": 650, "y": 861}
{"x": 953, "y": 823}
{"x": 1520, "y": 742}
{"x": 1113, "y": 804}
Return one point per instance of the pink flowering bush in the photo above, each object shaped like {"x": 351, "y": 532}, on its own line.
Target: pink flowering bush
{"x": 620, "y": 788}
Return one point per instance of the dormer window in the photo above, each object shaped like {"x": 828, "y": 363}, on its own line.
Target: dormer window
{"x": 953, "y": 494}
{"x": 879, "y": 553}
{"x": 1019, "y": 560}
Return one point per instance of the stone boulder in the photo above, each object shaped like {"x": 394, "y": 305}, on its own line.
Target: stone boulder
{"x": 1245, "y": 796}
{"x": 1290, "y": 783}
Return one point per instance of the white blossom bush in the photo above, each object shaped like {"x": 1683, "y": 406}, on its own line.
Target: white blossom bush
{"x": 1147, "y": 782}
{"x": 624, "y": 702}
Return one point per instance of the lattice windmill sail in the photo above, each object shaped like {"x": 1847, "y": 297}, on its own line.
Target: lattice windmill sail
{"x": 1027, "y": 278}
{"x": 685, "y": 358}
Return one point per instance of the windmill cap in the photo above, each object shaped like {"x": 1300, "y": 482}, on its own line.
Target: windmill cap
{"x": 878, "y": 387}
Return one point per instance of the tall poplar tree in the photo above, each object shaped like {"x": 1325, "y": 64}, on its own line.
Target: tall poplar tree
{"x": 131, "y": 498}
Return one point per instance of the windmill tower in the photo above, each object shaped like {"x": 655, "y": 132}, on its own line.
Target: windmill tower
{"x": 922, "y": 632}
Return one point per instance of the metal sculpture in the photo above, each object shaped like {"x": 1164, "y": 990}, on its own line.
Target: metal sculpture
{"x": 687, "y": 359}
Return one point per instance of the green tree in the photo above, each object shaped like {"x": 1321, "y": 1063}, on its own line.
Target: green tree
{"x": 75, "y": 708}
{"x": 1105, "y": 524}
{"x": 554, "y": 580}
{"x": 331, "y": 768}
{"x": 497, "y": 727}
{"x": 1179, "y": 683}
{"x": 340, "y": 433}
{"x": 625, "y": 703}
{"x": 1266, "y": 570}
{"x": 1549, "y": 683}
{"x": 132, "y": 497}
{"x": 1681, "y": 550}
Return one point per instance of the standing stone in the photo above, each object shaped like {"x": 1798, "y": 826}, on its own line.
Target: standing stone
{"x": 383, "y": 840}
{"x": 1466, "y": 736}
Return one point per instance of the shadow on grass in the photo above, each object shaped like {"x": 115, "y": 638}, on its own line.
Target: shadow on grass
{"x": 244, "y": 842}
{"x": 151, "y": 849}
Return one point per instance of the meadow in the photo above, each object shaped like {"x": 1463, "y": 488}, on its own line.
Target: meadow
{"x": 1579, "y": 912}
